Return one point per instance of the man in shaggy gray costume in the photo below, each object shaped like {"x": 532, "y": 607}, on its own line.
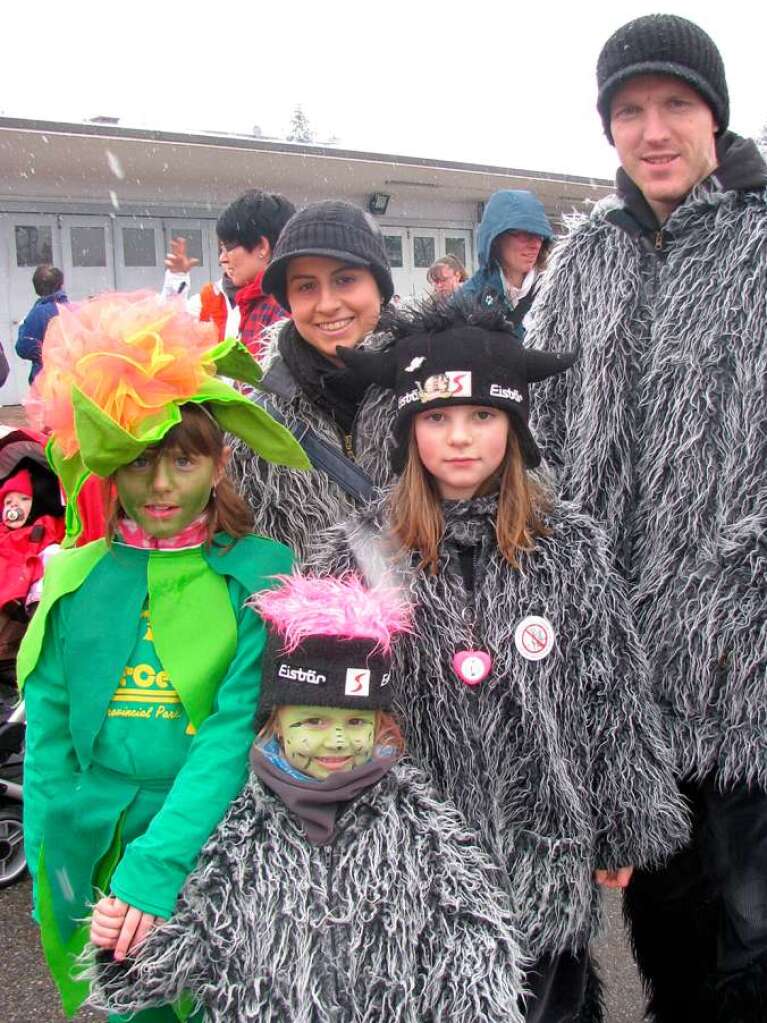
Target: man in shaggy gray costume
{"x": 660, "y": 431}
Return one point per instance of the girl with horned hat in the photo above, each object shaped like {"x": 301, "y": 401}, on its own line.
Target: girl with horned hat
{"x": 339, "y": 887}
{"x": 522, "y": 688}
{"x": 140, "y": 669}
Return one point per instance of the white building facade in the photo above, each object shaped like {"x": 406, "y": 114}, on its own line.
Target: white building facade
{"x": 102, "y": 203}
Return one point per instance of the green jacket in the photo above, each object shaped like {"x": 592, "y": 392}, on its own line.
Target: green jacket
{"x": 81, "y": 816}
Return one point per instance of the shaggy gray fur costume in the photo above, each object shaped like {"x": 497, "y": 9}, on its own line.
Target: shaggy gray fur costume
{"x": 399, "y": 921}
{"x": 557, "y": 764}
{"x": 291, "y": 506}
{"x": 660, "y": 432}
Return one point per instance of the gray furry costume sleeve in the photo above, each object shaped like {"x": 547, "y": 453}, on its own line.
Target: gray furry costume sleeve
{"x": 559, "y": 765}
{"x": 292, "y": 506}
{"x": 400, "y": 919}
{"x": 660, "y": 432}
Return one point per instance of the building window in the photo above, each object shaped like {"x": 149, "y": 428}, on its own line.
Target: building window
{"x": 393, "y": 244}
{"x": 423, "y": 251}
{"x": 88, "y": 246}
{"x": 139, "y": 247}
{"x": 456, "y": 247}
{"x": 34, "y": 245}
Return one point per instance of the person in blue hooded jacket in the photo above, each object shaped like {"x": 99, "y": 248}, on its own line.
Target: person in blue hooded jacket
{"x": 48, "y": 282}
{"x": 513, "y": 240}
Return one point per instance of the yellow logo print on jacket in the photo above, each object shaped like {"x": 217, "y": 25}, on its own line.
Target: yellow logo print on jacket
{"x": 144, "y": 690}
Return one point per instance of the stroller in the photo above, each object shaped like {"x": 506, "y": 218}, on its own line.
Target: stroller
{"x": 22, "y": 554}
{"x": 13, "y": 861}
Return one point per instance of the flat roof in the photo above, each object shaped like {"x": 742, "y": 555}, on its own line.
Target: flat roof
{"x": 236, "y": 141}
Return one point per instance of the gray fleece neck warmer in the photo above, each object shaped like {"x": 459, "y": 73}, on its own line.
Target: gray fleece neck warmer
{"x": 316, "y": 804}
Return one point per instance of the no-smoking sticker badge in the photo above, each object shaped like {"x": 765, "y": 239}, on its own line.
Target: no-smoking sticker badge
{"x": 534, "y": 637}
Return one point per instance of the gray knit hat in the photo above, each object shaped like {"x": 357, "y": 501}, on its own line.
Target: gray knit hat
{"x": 339, "y": 230}
{"x": 663, "y": 44}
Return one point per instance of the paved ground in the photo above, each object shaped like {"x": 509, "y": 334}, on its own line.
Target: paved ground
{"x": 27, "y": 995}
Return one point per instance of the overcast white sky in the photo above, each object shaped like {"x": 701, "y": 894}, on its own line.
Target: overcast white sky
{"x": 508, "y": 84}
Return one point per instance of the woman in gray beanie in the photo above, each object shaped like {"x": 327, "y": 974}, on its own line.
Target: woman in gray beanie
{"x": 330, "y": 269}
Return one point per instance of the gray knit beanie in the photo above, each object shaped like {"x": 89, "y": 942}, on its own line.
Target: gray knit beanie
{"x": 663, "y": 44}
{"x": 339, "y": 230}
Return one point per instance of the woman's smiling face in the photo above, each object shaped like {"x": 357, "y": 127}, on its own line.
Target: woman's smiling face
{"x": 320, "y": 741}
{"x": 332, "y": 303}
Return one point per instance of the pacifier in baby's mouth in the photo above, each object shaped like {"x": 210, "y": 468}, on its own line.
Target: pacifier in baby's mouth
{"x": 15, "y": 515}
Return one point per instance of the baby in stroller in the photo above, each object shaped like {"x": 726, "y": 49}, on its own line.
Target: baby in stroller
{"x": 31, "y": 529}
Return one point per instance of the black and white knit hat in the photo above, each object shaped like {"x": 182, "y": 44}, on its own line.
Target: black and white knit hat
{"x": 331, "y": 228}
{"x": 663, "y": 44}
{"x": 455, "y": 353}
{"x": 329, "y": 643}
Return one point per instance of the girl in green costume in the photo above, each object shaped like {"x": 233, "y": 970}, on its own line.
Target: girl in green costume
{"x": 141, "y": 669}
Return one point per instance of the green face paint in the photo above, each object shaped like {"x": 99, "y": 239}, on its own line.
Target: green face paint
{"x": 319, "y": 741}
{"x": 164, "y": 489}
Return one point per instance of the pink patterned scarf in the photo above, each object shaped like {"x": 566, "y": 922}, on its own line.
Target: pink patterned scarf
{"x": 193, "y": 535}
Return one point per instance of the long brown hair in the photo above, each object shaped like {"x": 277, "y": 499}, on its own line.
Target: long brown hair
{"x": 416, "y": 512}
{"x": 197, "y": 434}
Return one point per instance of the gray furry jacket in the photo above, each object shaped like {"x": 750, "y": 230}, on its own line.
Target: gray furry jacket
{"x": 660, "y": 432}
{"x": 399, "y": 920}
{"x": 557, "y": 764}
{"x": 290, "y": 505}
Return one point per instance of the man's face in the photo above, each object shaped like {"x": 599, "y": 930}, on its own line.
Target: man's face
{"x": 664, "y": 134}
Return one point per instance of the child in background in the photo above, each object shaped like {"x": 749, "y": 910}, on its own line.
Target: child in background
{"x": 140, "y": 670}
{"x": 338, "y": 887}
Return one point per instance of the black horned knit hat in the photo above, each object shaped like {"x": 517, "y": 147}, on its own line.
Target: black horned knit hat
{"x": 339, "y": 230}
{"x": 455, "y": 353}
{"x": 663, "y": 44}
{"x": 329, "y": 643}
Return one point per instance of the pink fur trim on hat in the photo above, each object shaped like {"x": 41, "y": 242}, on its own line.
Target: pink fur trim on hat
{"x": 313, "y": 606}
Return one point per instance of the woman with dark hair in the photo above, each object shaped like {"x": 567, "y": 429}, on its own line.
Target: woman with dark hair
{"x": 513, "y": 242}
{"x": 330, "y": 269}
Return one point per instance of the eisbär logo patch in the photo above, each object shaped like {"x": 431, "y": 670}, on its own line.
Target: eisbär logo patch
{"x": 455, "y": 383}
{"x": 357, "y": 682}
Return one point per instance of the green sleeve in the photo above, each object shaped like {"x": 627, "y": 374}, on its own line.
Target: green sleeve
{"x": 155, "y": 865}
{"x": 49, "y": 758}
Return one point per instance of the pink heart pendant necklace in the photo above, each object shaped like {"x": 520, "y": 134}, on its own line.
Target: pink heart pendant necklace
{"x": 471, "y": 666}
